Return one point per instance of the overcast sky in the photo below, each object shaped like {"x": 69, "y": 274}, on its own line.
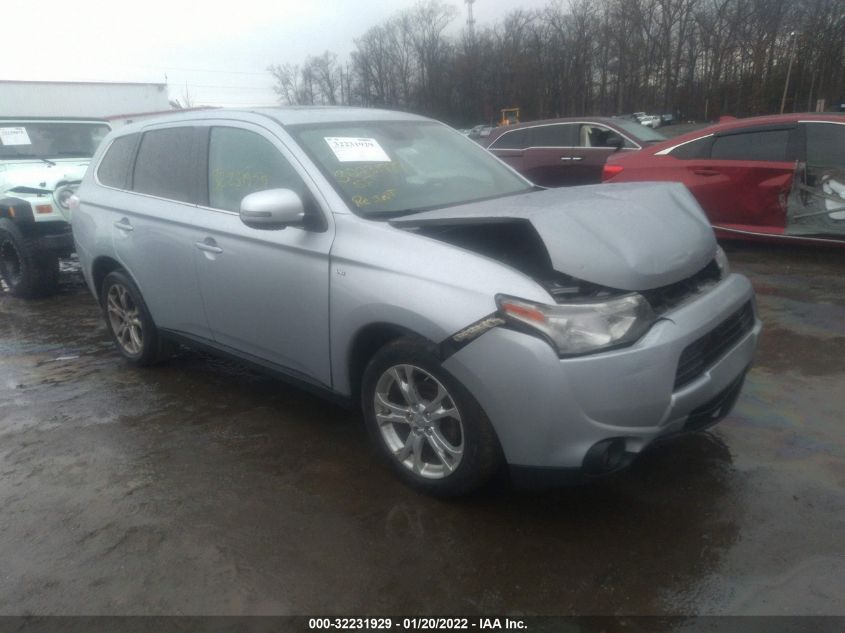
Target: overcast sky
{"x": 220, "y": 50}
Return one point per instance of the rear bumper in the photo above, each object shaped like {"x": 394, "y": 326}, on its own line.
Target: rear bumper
{"x": 550, "y": 412}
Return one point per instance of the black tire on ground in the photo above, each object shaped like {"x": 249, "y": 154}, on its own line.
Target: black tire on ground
{"x": 27, "y": 273}
{"x": 152, "y": 347}
{"x": 482, "y": 455}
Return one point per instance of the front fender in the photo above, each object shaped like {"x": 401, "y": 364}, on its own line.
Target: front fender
{"x": 345, "y": 334}
{"x": 16, "y": 209}
{"x": 381, "y": 274}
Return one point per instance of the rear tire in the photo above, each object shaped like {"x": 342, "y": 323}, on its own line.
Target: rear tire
{"x": 27, "y": 273}
{"x": 425, "y": 423}
{"x": 129, "y": 321}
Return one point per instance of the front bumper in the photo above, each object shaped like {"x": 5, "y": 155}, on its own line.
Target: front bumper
{"x": 59, "y": 242}
{"x": 549, "y": 412}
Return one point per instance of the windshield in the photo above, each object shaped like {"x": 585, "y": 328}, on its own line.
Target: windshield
{"x": 639, "y": 131}
{"x": 35, "y": 139}
{"x": 396, "y": 167}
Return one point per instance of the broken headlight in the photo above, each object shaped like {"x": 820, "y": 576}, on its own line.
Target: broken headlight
{"x": 584, "y": 327}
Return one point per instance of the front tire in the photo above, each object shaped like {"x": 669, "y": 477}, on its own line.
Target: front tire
{"x": 132, "y": 328}
{"x": 27, "y": 273}
{"x": 427, "y": 425}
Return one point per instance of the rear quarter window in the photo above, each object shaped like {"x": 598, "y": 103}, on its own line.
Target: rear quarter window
{"x": 698, "y": 149}
{"x": 515, "y": 139}
{"x": 114, "y": 168}
{"x": 164, "y": 166}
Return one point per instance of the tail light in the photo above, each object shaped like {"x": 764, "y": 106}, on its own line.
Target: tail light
{"x": 610, "y": 171}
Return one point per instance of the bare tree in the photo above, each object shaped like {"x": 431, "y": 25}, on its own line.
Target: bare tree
{"x": 696, "y": 58}
{"x": 326, "y": 77}
{"x": 287, "y": 85}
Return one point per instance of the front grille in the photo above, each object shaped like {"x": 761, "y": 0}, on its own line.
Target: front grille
{"x": 701, "y": 354}
{"x": 716, "y": 409}
{"x": 667, "y": 297}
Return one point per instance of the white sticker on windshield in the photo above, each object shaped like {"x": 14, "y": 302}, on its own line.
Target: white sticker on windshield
{"x": 14, "y": 136}
{"x": 349, "y": 149}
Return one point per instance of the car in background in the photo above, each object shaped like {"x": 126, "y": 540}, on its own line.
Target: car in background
{"x": 772, "y": 178}
{"x": 651, "y": 120}
{"x": 42, "y": 162}
{"x": 564, "y": 152}
{"x": 480, "y": 133}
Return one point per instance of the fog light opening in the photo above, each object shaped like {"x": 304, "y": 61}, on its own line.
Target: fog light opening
{"x": 606, "y": 456}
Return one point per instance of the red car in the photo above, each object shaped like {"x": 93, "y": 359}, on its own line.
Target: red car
{"x": 772, "y": 178}
{"x": 558, "y": 152}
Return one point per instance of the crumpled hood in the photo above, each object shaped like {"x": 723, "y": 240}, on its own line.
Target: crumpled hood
{"x": 40, "y": 175}
{"x": 629, "y": 236}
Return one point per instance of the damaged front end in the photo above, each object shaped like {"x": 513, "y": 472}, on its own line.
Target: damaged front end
{"x": 586, "y": 318}
{"x": 616, "y": 295}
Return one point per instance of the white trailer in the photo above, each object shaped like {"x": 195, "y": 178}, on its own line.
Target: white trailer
{"x": 48, "y": 132}
{"x": 79, "y": 99}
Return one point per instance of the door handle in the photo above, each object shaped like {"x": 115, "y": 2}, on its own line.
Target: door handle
{"x": 124, "y": 225}
{"x": 566, "y": 157}
{"x": 209, "y": 246}
{"x": 705, "y": 172}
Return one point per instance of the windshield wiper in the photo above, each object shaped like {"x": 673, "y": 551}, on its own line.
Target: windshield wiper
{"x": 389, "y": 215}
{"x": 30, "y": 157}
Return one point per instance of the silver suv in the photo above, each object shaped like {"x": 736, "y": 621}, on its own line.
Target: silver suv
{"x": 385, "y": 260}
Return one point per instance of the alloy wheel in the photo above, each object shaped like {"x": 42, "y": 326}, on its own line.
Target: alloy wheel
{"x": 419, "y": 421}
{"x": 125, "y": 319}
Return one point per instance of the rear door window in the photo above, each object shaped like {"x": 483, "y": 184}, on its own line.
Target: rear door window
{"x": 559, "y": 135}
{"x": 165, "y": 165}
{"x": 241, "y": 162}
{"x": 764, "y": 145}
{"x": 114, "y": 168}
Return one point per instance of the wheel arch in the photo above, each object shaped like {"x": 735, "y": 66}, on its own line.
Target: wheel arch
{"x": 16, "y": 211}
{"x": 101, "y": 267}
{"x": 366, "y": 342}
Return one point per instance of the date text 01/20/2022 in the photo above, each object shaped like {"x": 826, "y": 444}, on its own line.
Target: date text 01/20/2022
{"x": 407, "y": 624}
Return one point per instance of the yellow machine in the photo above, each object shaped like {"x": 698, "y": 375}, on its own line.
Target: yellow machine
{"x": 509, "y": 116}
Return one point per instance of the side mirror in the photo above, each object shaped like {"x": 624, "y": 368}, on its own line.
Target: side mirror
{"x": 614, "y": 140}
{"x": 272, "y": 209}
